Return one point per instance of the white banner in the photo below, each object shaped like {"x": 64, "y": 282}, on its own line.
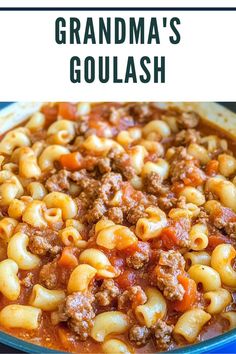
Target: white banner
{"x": 201, "y": 67}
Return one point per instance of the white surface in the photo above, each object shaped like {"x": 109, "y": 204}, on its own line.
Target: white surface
{"x": 200, "y": 68}
{"x": 15, "y": 114}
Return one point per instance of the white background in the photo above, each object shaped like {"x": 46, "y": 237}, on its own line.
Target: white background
{"x": 202, "y": 67}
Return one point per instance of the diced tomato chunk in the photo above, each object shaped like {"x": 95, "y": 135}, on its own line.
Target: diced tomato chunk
{"x": 71, "y": 161}
{"x": 142, "y": 247}
{"x": 215, "y": 240}
{"x": 68, "y": 259}
{"x": 126, "y": 279}
{"x": 129, "y": 193}
{"x": 169, "y": 237}
{"x": 193, "y": 179}
{"x": 190, "y": 295}
{"x": 172, "y": 235}
{"x": 225, "y": 214}
{"x": 117, "y": 262}
{"x": 212, "y": 167}
{"x": 67, "y": 110}
{"x": 50, "y": 113}
{"x": 177, "y": 187}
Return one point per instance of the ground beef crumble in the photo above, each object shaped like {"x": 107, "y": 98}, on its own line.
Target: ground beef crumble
{"x": 168, "y": 202}
{"x": 78, "y": 311}
{"x": 27, "y": 281}
{"x": 224, "y": 219}
{"x": 107, "y": 293}
{"x": 132, "y": 297}
{"x": 41, "y": 241}
{"x": 162, "y": 335}
{"x": 104, "y": 165}
{"x": 139, "y": 335}
{"x": 165, "y": 275}
{"x": 230, "y": 229}
{"x": 136, "y": 213}
{"x": 183, "y": 166}
{"x": 188, "y": 119}
{"x": 110, "y": 183}
{"x": 97, "y": 210}
{"x": 153, "y": 184}
{"x": 141, "y": 112}
{"x": 115, "y": 214}
{"x": 48, "y": 275}
{"x": 58, "y": 182}
{"x": 202, "y": 217}
{"x": 45, "y": 243}
{"x": 188, "y": 136}
{"x": 140, "y": 256}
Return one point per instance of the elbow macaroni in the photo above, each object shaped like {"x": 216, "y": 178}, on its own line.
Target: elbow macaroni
{"x": 17, "y": 251}
{"x": 115, "y": 236}
{"x": 45, "y": 299}
{"x": 10, "y": 187}
{"x": 80, "y": 278}
{"x": 37, "y": 190}
{"x": 101, "y": 145}
{"x": 193, "y": 195}
{"x": 227, "y": 165}
{"x": 36, "y": 122}
{"x": 62, "y": 201}
{"x": 61, "y": 132}
{"x": 7, "y": 227}
{"x": 112, "y": 346}
{"x": 151, "y": 227}
{"x": 224, "y": 190}
{"x": 98, "y": 260}
{"x": 137, "y": 155}
{"x": 53, "y": 216}
{"x": 198, "y": 237}
{"x": 16, "y": 208}
{"x": 12, "y": 140}
{"x": 193, "y": 258}
{"x": 70, "y": 236}
{"x": 218, "y": 300}
{"x": 230, "y": 316}
{"x": 154, "y": 309}
{"x": 106, "y": 323}
{"x": 161, "y": 167}
{"x": 221, "y": 259}
{"x": 9, "y": 282}
{"x": 51, "y": 154}
{"x": 206, "y": 276}
{"x": 190, "y": 324}
{"x": 20, "y": 316}
{"x": 125, "y": 138}
{"x": 199, "y": 152}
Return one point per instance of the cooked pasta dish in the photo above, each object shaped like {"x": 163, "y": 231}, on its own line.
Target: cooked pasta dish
{"x": 117, "y": 228}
